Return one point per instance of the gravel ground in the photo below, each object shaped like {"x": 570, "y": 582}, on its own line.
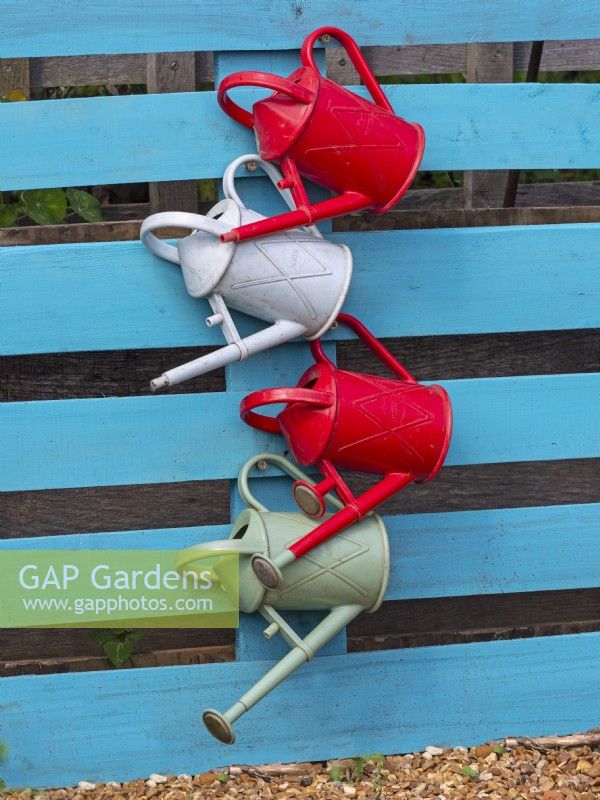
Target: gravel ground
{"x": 488, "y": 772}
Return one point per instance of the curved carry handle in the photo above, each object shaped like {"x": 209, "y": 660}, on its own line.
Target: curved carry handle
{"x": 356, "y": 57}
{"x": 372, "y": 343}
{"x": 178, "y": 219}
{"x": 265, "y": 80}
{"x": 285, "y": 466}
{"x": 275, "y": 176}
{"x": 265, "y": 397}
{"x": 220, "y": 546}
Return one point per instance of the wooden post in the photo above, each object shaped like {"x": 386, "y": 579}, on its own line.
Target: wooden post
{"x": 14, "y": 76}
{"x": 487, "y": 63}
{"x": 172, "y": 72}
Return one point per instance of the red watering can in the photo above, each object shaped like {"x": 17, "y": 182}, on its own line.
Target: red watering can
{"x": 313, "y": 127}
{"x": 397, "y": 428}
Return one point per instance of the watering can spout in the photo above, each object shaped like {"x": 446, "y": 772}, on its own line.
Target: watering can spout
{"x": 307, "y": 215}
{"x": 239, "y": 349}
{"x": 220, "y": 725}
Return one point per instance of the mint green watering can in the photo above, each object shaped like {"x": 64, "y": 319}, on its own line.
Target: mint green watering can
{"x": 345, "y": 575}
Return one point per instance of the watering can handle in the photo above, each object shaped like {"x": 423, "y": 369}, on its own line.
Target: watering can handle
{"x": 225, "y": 546}
{"x": 176, "y": 219}
{"x": 266, "y": 81}
{"x": 265, "y": 397}
{"x": 356, "y": 57}
{"x": 285, "y": 466}
{"x": 372, "y": 343}
{"x": 272, "y": 172}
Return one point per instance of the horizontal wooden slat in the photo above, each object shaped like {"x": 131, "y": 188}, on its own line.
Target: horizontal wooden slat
{"x": 172, "y": 438}
{"x": 405, "y": 60}
{"x": 453, "y": 620}
{"x": 570, "y": 202}
{"x": 466, "y": 217}
{"x": 30, "y": 643}
{"x": 210, "y": 654}
{"x": 87, "y": 70}
{"x": 538, "y": 195}
{"x": 401, "y": 219}
{"x": 459, "y": 693}
{"x": 107, "y": 373}
{"x": 139, "y": 26}
{"x": 475, "y": 552}
{"x": 432, "y": 555}
{"x": 436, "y": 282}
{"x": 65, "y": 376}
{"x": 186, "y": 135}
{"x": 432, "y": 59}
{"x": 114, "y": 508}
{"x": 123, "y": 508}
{"x": 397, "y": 624}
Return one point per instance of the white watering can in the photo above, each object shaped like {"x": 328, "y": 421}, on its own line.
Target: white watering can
{"x": 296, "y": 279}
{"x": 345, "y": 576}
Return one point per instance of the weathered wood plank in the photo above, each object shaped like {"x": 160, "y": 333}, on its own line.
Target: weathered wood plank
{"x": 409, "y": 623}
{"x": 109, "y": 373}
{"x": 132, "y": 138}
{"x": 405, "y": 60}
{"x": 118, "y": 373}
{"x": 161, "y": 658}
{"x": 166, "y": 438}
{"x": 487, "y": 63}
{"x": 399, "y": 623}
{"x": 445, "y": 281}
{"x": 421, "y": 208}
{"x": 14, "y": 76}
{"x": 118, "y": 508}
{"x": 31, "y": 644}
{"x": 125, "y": 219}
{"x": 479, "y": 487}
{"x": 461, "y": 693}
{"x": 468, "y": 217}
{"x": 480, "y": 356}
{"x": 88, "y": 70}
{"x": 172, "y": 72}
{"x": 123, "y": 508}
{"x": 558, "y": 56}
{"x": 137, "y": 27}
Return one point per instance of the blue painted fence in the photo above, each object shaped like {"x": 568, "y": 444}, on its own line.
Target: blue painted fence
{"x": 116, "y": 725}
{"x": 178, "y": 136}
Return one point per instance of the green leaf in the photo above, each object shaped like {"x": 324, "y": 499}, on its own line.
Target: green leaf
{"x": 85, "y": 204}
{"x": 336, "y": 774}
{"x": 135, "y": 636}
{"x": 499, "y": 750}
{"x": 101, "y": 636}
{"x": 223, "y": 777}
{"x": 45, "y": 206}
{"x": 2, "y": 785}
{"x": 118, "y": 651}
{"x": 3, "y": 750}
{"x": 8, "y": 215}
{"x": 470, "y": 772}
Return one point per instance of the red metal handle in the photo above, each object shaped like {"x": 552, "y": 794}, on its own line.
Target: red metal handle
{"x": 374, "y": 345}
{"x": 357, "y": 58}
{"x": 266, "y": 397}
{"x": 266, "y": 81}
